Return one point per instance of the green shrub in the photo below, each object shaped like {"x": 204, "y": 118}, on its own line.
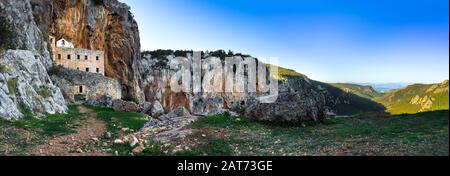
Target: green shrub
{"x": 23, "y": 46}
{"x": 44, "y": 92}
{"x": 3, "y": 68}
{"x": 12, "y": 86}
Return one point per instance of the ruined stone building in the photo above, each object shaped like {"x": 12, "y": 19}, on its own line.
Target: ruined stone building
{"x": 66, "y": 55}
{"x": 89, "y": 83}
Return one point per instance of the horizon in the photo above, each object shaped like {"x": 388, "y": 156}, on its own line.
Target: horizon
{"x": 328, "y": 41}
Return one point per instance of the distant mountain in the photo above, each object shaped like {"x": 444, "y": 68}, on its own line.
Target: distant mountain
{"x": 360, "y": 90}
{"x": 416, "y": 98}
{"x": 387, "y": 86}
{"x": 346, "y": 102}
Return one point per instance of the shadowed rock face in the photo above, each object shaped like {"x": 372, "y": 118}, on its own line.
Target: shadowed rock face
{"x": 106, "y": 25}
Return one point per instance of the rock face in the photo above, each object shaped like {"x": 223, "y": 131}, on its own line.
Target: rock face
{"x": 157, "y": 88}
{"x": 24, "y": 83}
{"x": 25, "y": 86}
{"x": 299, "y": 97}
{"x": 298, "y": 101}
{"x": 105, "y": 25}
{"x": 27, "y": 35}
{"x": 95, "y": 88}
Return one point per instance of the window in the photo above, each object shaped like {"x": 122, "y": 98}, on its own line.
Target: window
{"x": 63, "y": 42}
{"x": 59, "y": 56}
{"x": 96, "y": 58}
{"x": 81, "y": 89}
{"x": 98, "y": 70}
{"x": 87, "y": 69}
{"x": 85, "y": 57}
{"x": 68, "y": 56}
{"x": 78, "y": 57}
{"x": 78, "y": 68}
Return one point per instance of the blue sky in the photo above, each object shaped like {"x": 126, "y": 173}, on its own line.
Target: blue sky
{"x": 376, "y": 41}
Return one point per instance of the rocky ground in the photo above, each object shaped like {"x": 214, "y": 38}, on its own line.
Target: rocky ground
{"x": 96, "y": 131}
{"x": 367, "y": 134}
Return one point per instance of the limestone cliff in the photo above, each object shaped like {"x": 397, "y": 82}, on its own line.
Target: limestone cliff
{"x": 106, "y": 25}
{"x": 298, "y": 100}
{"x": 24, "y": 83}
{"x": 156, "y": 84}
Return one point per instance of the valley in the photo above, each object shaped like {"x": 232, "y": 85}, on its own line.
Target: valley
{"x": 410, "y": 99}
{"x": 74, "y": 81}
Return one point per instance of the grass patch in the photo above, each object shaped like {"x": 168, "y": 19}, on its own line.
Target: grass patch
{"x": 116, "y": 120}
{"x": 417, "y": 134}
{"x": 50, "y": 125}
{"x": 214, "y": 146}
{"x": 221, "y": 121}
{"x": 151, "y": 149}
{"x": 284, "y": 73}
{"x": 17, "y": 137}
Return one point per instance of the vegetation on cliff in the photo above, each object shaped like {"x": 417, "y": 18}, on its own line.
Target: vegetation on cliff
{"x": 411, "y": 99}
{"x": 416, "y": 98}
{"x": 6, "y": 35}
{"x": 360, "y": 90}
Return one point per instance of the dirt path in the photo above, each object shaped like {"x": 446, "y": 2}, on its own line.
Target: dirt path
{"x": 77, "y": 143}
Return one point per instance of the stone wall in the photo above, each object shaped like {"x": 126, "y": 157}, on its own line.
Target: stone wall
{"x": 80, "y": 59}
{"x": 94, "y": 86}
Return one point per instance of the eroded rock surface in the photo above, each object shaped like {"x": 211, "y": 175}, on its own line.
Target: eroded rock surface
{"x": 24, "y": 83}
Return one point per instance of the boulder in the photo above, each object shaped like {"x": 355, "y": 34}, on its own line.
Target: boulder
{"x": 105, "y": 101}
{"x": 289, "y": 107}
{"x": 157, "y": 109}
{"x": 147, "y": 108}
{"x": 178, "y": 112}
{"x": 126, "y": 106}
